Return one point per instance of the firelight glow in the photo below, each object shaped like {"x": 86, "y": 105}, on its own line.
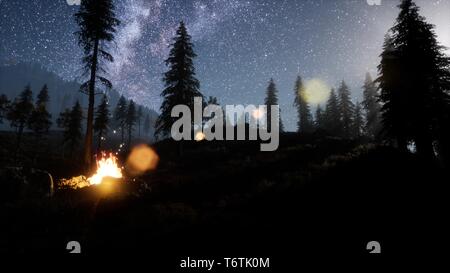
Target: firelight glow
{"x": 106, "y": 167}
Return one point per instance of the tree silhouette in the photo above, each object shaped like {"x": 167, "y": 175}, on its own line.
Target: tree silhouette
{"x": 394, "y": 119}
{"x": 120, "y": 115}
{"x": 147, "y": 124}
{"x": 181, "y": 85}
{"x": 71, "y": 121}
{"x": 305, "y": 122}
{"x": 358, "y": 122}
{"x": 20, "y": 113}
{"x": 319, "y": 121}
{"x": 63, "y": 119}
{"x": 332, "y": 116}
{"x": 139, "y": 115}
{"x": 101, "y": 122}
{"x": 40, "y": 119}
{"x": 346, "y": 109}
{"x": 371, "y": 107}
{"x": 414, "y": 78}
{"x": 97, "y": 22}
{"x": 130, "y": 120}
{"x": 212, "y": 101}
{"x": 272, "y": 99}
{"x": 4, "y": 107}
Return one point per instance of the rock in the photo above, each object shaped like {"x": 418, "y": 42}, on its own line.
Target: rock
{"x": 18, "y": 183}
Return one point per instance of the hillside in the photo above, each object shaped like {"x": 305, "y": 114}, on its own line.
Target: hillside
{"x": 63, "y": 94}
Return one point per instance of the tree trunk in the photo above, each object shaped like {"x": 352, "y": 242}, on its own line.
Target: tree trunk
{"x": 90, "y": 117}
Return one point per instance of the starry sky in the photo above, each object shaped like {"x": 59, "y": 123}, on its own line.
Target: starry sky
{"x": 241, "y": 44}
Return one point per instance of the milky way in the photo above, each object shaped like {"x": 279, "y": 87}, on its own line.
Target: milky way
{"x": 240, "y": 44}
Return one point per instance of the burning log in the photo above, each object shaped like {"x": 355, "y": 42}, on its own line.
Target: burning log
{"x": 141, "y": 159}
{"x": 74, "y": 182}
{"x": 106, "y": 167}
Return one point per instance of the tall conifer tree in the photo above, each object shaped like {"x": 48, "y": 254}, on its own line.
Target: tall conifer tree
{"x": 272, "y": 99}
{"x": 97, "y": 21}
{"x": 346, "y": 109}
{"x": 305, "y": 121}
{"x": 181, "y": 84}
{"x": 414, "y": 81}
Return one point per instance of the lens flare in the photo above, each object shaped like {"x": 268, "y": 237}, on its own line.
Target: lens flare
{"x": 141, "y": 159}
{"x": 199, "y": 136}
{"x": 316, "y": 91}
{"x": 258, "y": 114}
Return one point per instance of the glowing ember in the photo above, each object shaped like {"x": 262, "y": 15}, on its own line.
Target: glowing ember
{"x": 106, "y": 167}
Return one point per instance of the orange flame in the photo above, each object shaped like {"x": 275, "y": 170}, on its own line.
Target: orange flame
{"x": 106, "y": 167}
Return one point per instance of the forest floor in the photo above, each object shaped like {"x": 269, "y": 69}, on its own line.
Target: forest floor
{"x": 314, "y": 195}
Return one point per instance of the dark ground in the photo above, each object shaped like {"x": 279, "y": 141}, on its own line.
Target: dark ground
{"x": 314, "y": 196}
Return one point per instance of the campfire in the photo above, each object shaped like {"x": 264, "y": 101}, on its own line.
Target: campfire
{"x": 106, "y": 167}
{"x": 141, "y": 160}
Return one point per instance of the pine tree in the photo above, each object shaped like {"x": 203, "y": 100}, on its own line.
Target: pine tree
{"x": 332, "y": 117}
{"x": 71, "y": 121}
{"x": 97, "y": 22}
{"x": 101, "y": 122}
{"x": 120, "y": 115}
{"x": 40, "y": 119}
{"x": 414, "y": 78}
{"x": 212, "y": 101}
{"x": 63, "y": 119}
{"x": 139, "y": 118}
{"x": 305, "y": 122}
{"x": 181, "y": 85}
{"x": 358, "y": 122}
{"x": 346, "y": 109}
{"x": 394, "y": 119}
{"x": 4, "y": 107}
{"x": 20, "y": 113}
{"x": 372, "y": 107}
{"x": 147, "y": 125}
{"x": 319, "y": 121}
{"x": 130, "y": 120}
{"x": 272, "y": 99}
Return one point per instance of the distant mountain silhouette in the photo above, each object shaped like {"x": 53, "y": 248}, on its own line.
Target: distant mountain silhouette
{"x": 63, "y": 94}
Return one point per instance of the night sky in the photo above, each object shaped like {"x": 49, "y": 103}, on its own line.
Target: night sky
{"x": 240, "y": 44}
